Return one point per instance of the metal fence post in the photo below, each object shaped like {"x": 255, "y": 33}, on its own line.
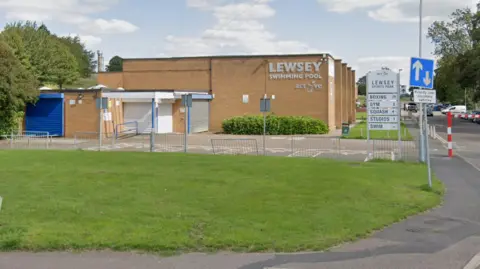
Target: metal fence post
{"x": 292, "y": 144}
{"x": 114, "y": 137}
{"x": 75, "y": 141}
{"x": 264, "y": 133}
{"x": 339, "y": 146}
{"x": 11, "y": 140}
{"x": 152, "y": 133}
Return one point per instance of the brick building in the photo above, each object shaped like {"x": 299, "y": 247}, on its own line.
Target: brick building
{"x": 314, "y": 85}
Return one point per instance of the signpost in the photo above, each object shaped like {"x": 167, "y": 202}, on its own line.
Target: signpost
{"x": 187, "y": 101}
{"x": 383, "y": 99}
{"x": 102, "y": 104}
{"x": 264, "y": 108}
{"x": 421, "y": 76}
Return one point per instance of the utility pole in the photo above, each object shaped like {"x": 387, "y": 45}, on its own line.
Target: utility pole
{"x": 422, "y": 106}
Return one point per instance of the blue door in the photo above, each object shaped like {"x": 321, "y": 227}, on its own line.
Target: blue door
{"x": 46, "y": 115}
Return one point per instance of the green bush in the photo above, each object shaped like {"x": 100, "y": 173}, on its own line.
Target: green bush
{"x": 276, "y": 125}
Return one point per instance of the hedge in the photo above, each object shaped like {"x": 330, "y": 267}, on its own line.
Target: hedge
{"x": 276, "y": 125}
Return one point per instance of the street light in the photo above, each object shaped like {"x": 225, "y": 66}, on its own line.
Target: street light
{"x": 399, "y": 80}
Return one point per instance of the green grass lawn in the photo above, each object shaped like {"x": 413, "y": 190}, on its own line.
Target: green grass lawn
{"x": 181, "y": 203}
{"x": 361, "y": 115}
{"x": 362, "y": 99}
{"x": 359, "y": 131}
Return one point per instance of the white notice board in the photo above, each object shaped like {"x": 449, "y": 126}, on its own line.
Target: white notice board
{"x": 383, "y": 101}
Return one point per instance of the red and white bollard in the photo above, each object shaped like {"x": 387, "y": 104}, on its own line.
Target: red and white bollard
{"x": 449, "y": 134}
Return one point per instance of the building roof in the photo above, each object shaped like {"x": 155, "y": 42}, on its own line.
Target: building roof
{"x": 232, "y": 56}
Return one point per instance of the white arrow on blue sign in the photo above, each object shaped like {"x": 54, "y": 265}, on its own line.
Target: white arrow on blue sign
{"x": 421, "y": 73}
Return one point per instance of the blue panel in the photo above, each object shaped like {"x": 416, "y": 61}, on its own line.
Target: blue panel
{"x": 202, "y": 96}
{"x": 51, "y": 95}
{"x": 421, "y": 73}
{"x": 47, "y": 115}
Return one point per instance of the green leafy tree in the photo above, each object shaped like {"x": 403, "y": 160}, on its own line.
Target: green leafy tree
{"x": 115, "y": 64}
{"x": 17, "y": 87}
{"x": 64, "y": 68}
{"x": 46, "y": 54}
{"x": 85, "y": 58}
{"x": 456, "y": 45}
{"x": 362, "y": 85}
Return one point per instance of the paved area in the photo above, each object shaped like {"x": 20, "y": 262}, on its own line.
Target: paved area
{"x": 287, "y": 146}
{"x": 465, "y": 135}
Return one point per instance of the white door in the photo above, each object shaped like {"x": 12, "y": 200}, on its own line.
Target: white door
{"x": 199, "y": 116}
{"x": 140, "y": 113}
{"x": 165, "y": 118}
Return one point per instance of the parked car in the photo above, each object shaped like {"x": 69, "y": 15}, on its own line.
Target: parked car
{"x": 474, "y": 118}
{"x": 455, "y": 109}
{"x": 411, "y": 107}
{"x": 466, "y": 116}
{"x": 430, "y": 111}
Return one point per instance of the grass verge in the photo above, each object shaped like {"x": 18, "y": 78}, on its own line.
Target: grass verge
{"x": 361, "y": 116}
{"x": 359, "y": 131}
{"x": 181, "y": 203}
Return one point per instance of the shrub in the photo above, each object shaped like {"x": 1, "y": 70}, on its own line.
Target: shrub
{"x": 275, "y": 125}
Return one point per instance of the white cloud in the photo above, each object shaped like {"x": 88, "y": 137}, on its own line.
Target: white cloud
{"x": 89, "y": 40}
{"x": 396, "y": 63}
{"x": 399, "y": 10}
{"x": 101, "y": 26}
{"x": 77, "y": 12}
{"x": 239, "y": 29}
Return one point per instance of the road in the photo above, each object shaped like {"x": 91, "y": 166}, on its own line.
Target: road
{"x": 465, "y": 136}
{"x": 444, "y": 238}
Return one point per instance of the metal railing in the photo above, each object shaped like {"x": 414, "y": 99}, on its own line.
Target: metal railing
{"x": 307, "y": 146}
{"x": 26, "y": 140}
{"x": 230, "y": 146}
{"x": 92, "y": 141}
{"x": 126, "y": 129}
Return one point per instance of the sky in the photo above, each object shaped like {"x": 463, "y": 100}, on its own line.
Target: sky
{"x": 366, "y": 34}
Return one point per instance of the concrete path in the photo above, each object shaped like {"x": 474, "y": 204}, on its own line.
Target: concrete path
{"x": 445, "y": 238}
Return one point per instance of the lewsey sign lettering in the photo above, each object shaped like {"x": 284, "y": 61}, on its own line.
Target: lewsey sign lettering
{"x": 383, "y": 126}
{"x": 294, "y": 70}
{"x": 381, "y": 119}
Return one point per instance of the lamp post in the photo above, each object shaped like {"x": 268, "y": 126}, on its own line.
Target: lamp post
{"x": 422, "y": 107}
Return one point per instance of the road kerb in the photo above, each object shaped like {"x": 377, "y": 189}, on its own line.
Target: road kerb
{"x": 474, "y": 263}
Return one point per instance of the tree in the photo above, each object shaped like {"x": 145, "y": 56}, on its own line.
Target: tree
{"x": 64, "y": 67}
{"x": 115, "y": 64}
{"x": 362, "y": 85}
{"x": 456, "y": 44}
{"x": 46, "y": 54}
{"x": 85, "y": 58}
{"x": 13, "y": 38}
{"x": 17, "y": 87}
{"x": 453, "y": 37}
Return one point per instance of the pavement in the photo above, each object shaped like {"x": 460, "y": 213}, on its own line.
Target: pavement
{"x": 465, "y": 137}
{"x": 444, "y": 238}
